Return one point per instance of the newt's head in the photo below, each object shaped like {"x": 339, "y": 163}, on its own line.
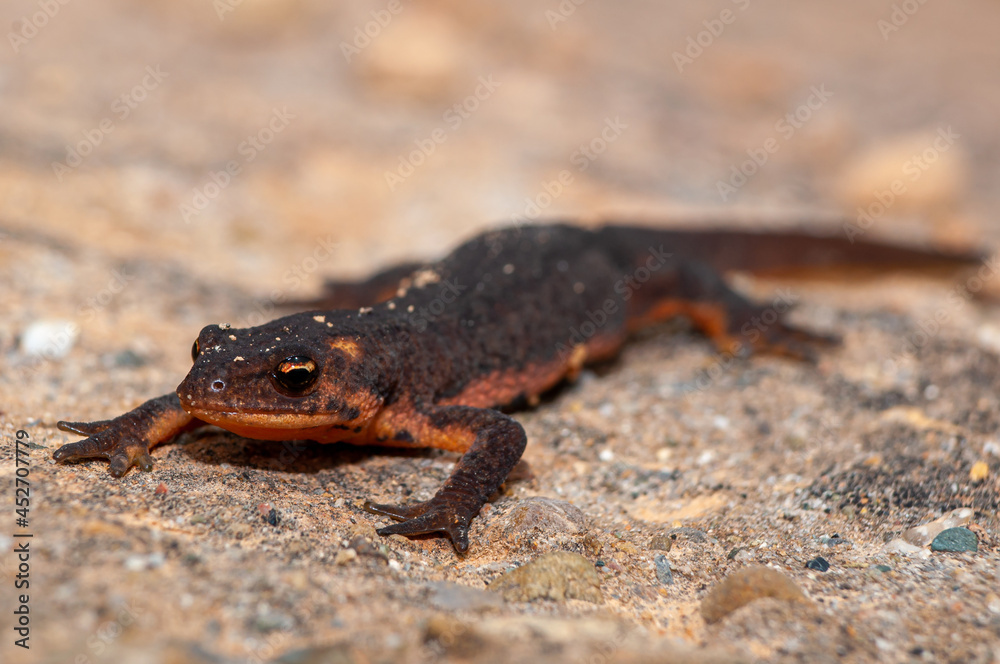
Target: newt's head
{"x": 301, "y": 376}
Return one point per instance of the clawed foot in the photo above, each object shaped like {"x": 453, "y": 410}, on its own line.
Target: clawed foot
{"x": 105, "y": 440}
{"x": 763, "y": 331}
{"x": 125, "y": 440}
{"x": 430, "y": 516}
{"x": 793, "y": 342}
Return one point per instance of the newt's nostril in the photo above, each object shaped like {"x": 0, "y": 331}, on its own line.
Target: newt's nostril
{"x": 218, "y": 386}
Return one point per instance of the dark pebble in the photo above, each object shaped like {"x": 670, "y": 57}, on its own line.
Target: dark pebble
{"x": 955, "y": 540}
{"x": 819, "y": 563}
{"x": 663, "y": 573}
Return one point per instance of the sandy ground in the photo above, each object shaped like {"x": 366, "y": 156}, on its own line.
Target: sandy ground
{"x": 169, "y": 165}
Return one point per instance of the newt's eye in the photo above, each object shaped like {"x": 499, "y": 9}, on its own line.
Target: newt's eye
{"x": 195, "y": 350}
{"x": 294, "y": 375}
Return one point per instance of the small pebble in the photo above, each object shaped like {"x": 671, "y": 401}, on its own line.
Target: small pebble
{"x": 819, "y": 563}
{"x": 689, "y": 534}
{"x": 661, "y": 542}
{"x": 138, "y": 563}
{"x": 538, "y": 516}
{"x": 364, "y": 547}
{"x": 744, "y": 586}
{"x": 49, "y": 339}
{"x": 160, "y": 490}
{"x": 876, "y": 571}
{"x": 663, "y": 573}
{"x": 558, "y": 576}
{"x": 955, "y": 540}
{"x": 240, "y": 530}
{"x": 272, "y": 620}
{"x": 268, "y": 513}
{"x": 129, "y": 359}
{"x": 345, "y": 556}
{"x": 979, "y": 472}
{"x": 833, "y": 540}
{"x": 904, "y": 548}
{"x": 922, "y": 535}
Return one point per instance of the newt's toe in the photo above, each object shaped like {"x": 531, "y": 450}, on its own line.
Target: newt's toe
{"x": 83, "y": 428}
{"x": 398, "y": 512}
{"x": 84, "y": 449}
{"x": 795, "y": 342}
{"x": 426, "y": 517}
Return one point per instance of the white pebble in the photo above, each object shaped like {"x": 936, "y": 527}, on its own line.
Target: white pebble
{"x": 49, "y": 339}
{"x": 906, "y": 549}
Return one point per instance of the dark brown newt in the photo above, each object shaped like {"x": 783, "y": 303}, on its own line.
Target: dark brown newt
{"x": 436, "y": 348}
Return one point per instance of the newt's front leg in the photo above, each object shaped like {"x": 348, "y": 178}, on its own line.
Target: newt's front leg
{"x": 126, "y": 440}
{"x": 493, "y": 444}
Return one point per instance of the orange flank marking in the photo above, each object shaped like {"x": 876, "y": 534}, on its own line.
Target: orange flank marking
{"x": 402, "y": 417}
{"x": 502, "y": 387}
{"x": 710, "y": 319}
{"x": 349, "y": 346}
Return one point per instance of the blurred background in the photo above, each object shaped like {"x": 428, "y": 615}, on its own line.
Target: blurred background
{"x": 402, "y": 126}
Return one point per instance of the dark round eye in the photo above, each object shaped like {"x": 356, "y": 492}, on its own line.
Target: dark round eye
{"x": 294, "y": 375}
{"x": 195, "y": 350}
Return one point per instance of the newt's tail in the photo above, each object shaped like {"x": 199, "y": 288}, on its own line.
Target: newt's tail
{"x": 694, "y": 287}
{"x": 800, "y": 253}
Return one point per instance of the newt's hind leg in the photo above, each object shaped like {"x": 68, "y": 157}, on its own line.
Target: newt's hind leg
{"x": 493, "y": 444}
{"x": 355, "y": 294}
{"x": 735, "y": 323}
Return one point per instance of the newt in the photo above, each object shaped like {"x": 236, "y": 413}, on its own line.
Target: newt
{"x": 425, "y": 355}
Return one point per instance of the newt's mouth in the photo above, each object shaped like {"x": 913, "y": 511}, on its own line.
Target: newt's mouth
{"x": 323, "y": 428}
{"x": 264, "y": 420}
